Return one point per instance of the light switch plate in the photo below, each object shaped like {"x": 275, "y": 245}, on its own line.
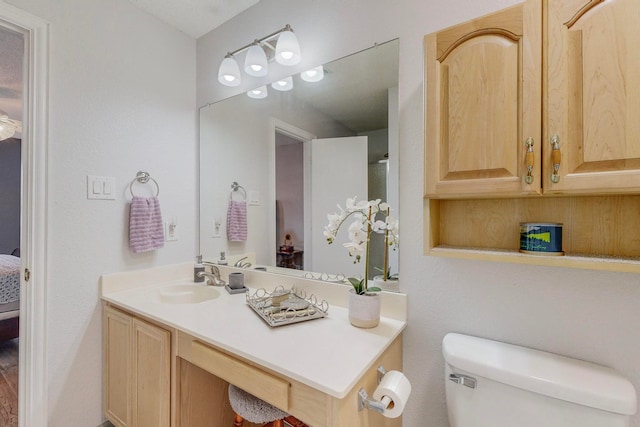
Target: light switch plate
{"x": 101, "y": 187}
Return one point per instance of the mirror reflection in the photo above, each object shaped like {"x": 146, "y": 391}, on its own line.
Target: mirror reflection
{"x": 295, "y": 154}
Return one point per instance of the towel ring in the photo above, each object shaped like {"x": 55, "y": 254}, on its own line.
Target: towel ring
{"x": 237, "y": 187}
{"x": 143, "y": 178}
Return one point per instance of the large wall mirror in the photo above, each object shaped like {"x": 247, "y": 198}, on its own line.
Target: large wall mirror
{"x": 297, "y": 154}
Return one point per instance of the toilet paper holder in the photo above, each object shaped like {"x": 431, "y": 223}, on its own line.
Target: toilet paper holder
{"x": 364, "y": 402}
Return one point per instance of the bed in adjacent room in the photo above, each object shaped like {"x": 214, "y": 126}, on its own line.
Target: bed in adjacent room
{"x": 9, "y": 296}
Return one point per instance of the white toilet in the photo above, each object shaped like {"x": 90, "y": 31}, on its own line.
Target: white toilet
{"x": 493, "y": 384}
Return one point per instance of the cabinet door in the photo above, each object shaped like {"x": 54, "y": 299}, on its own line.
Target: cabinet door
{"x": 117, "y": 367}
{"x": 483, "y": 98}
{"x": 592, "y": 96}
{"x": 151, "y": 375}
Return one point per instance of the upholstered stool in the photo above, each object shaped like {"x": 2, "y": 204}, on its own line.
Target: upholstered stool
{"x": 248, "y": 407}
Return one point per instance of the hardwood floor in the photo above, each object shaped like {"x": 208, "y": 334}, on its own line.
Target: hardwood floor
{"x": 9, "y": 383}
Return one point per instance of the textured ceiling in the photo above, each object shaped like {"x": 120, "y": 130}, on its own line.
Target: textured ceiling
{"x": 194, "y": 17}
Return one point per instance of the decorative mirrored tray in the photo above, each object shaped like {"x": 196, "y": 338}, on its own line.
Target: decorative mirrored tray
{"x": 285, "y": 306}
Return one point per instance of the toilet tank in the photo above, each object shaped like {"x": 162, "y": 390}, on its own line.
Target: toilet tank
{"x": 493, "y": 384}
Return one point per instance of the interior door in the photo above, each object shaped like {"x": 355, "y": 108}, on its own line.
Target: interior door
{"x": 338, "y": 171}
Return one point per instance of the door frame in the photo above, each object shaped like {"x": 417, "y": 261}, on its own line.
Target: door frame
{"x": 305, "y": 137}
{"x": 32, "y": 376}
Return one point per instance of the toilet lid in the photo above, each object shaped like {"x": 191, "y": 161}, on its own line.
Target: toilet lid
{"x": 545, "y": 373}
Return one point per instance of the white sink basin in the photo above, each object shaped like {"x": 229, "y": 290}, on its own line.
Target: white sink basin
{"x": 187, "y": 294}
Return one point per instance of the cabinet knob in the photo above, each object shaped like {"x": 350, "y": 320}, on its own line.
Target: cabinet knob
{"x": 556, "y": 157}
{"x": 529, "y": 160}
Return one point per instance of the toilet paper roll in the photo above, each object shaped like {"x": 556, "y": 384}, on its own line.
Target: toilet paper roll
{"x": 394, "y": 386}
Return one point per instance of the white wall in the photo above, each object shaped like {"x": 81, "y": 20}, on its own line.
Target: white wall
{"x": 584, "y": 314}
{"x": 122, "y": 99}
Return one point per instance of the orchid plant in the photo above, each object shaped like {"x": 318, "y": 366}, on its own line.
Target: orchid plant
{"x": 365, "y": 216}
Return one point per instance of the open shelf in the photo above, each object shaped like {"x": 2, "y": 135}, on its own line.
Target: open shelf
{"x": 599, "y": 232}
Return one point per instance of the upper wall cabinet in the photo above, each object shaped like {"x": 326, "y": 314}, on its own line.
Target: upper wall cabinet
{"x": 484, "y": 105}
{"x": 486, "y": 115}
{"x": 592, "y": 96}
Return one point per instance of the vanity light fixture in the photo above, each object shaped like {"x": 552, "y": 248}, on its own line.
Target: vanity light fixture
{"x": 255, "y": 63}
{"x": 288, "y": 49}
{"x": 282, "y": 44}
{"x": 258, "y": 93}
{"x": 229, "y": 72}
{"x": 283, "y": 84}
{"x": 313, "y": 75}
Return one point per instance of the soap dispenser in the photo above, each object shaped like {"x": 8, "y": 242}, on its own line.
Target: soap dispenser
{"x": 222, "y": 260}
{"x": 197, "y": 268}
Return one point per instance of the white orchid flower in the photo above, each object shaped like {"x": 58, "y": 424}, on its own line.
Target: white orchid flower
{"x": 379, "y": 226}
{"x": 364, "y": 215}
{"x": 329, "y": 234}
{"x": 355, "y": 250}
{"x": 362, "y": 205}
{"x": 357, "y": 235}
{"x": 351, "y": 205}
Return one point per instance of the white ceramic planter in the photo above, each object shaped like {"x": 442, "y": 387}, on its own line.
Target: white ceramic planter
{"x": 388, "y": 285}
{"x": 364, "y": 310}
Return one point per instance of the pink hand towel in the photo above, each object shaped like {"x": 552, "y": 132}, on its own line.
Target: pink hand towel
{"x": 146, "y": 229}
{"x": 237, "y": 221}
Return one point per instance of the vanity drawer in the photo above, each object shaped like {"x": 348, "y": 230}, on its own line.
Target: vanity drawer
{"x": 254, "y": 380}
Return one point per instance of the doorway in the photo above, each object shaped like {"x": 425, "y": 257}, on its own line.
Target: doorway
{"x": 12, "y": 52}
{"x": 290, "y": 227}
{"x": 32, "y": 380}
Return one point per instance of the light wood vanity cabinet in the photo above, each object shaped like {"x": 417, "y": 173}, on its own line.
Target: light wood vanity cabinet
{"x": 137, "y": 371}
{"x": 205, "y": 373}
{"x": 486, "y": 89}
{"x": 161, "y": 377}
{"x": 483, "y": 102}
{"x": 564, "y": 75}
{"x": 592, "y": 92}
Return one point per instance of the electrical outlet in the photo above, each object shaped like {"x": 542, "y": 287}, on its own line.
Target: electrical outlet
{"x": 254, "y": 198}
{"x": 171, "y": 229}
{"x": 217, "y": 229}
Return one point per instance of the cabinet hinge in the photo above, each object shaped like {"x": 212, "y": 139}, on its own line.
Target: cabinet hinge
{"x": 27, "y": 275}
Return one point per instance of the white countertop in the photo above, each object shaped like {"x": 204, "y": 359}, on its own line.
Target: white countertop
{"x": 327, "y": 354}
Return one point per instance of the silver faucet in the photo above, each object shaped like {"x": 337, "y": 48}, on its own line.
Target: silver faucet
{"x": 213, "y": 278}
{"x": 240, "y": 264}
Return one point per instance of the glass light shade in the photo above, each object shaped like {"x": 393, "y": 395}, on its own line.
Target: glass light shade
{"x": 255, "y": 63}
{"x": 258, "y": 93}
{"x": 287, "y": 49}
{"x": 229, "y": 72}
{"x": 6, "y": 131}
{"x": 313, "y": 75}
{"x": 8, "y": 127}
{"x": 283, "y": 84}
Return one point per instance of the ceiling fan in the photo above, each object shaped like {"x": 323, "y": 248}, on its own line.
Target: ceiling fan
{"x": 8, "y": 127}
